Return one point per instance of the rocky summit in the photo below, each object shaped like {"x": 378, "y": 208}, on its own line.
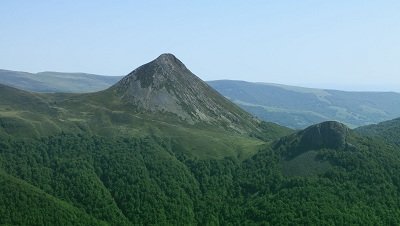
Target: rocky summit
{"x": 166, "y": 85}
{"x": 330, "y": 134}
{"x": 326, "y": 135}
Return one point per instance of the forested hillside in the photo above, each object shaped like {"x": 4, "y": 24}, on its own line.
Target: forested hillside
{"x": 150, "y": 180}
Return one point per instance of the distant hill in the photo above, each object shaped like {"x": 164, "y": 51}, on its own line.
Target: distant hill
{"x": 387, "y": 130}
{"x": 49, "y": 82}
{"x": 298, "y": 107}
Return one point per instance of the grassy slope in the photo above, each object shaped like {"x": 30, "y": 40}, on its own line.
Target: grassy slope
{"x": 34, "y": 115}
{"x": 300, "y": 107}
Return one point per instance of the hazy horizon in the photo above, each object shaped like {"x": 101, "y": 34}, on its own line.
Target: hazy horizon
{"x": 341, "y": 45}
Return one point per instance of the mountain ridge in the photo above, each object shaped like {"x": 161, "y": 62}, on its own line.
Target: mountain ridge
{"x": 51, "y": 82}
{"x": 298, "y": 107}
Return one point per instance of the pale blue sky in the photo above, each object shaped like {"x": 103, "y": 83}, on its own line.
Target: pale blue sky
{"x": 352, "y": 45}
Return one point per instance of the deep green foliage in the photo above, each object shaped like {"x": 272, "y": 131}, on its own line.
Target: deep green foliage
{"x": 24, "y": 204}
{"x": 150, "y": 180}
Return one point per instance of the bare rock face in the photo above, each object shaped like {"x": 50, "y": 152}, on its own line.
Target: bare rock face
{"x": 330, "y": 134}
{"x": 326, "y": 135}
{"x": 166, "y": 85}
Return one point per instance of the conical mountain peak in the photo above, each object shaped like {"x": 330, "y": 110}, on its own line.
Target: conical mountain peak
{"x": 166, "y": 56}
{"x": 157, "y": 73}
{"x": 166, "y": 85}
{"x": 168, "y": 62}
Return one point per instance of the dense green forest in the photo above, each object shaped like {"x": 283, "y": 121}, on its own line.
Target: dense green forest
{"x": 150, "y": 180}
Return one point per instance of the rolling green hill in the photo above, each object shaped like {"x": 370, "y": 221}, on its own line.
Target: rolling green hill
{"x": 388, "y": 130}
{"x": 298, "y": 107}
{"x": 161, "y": 147}
{"x": 50, "y": 82}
